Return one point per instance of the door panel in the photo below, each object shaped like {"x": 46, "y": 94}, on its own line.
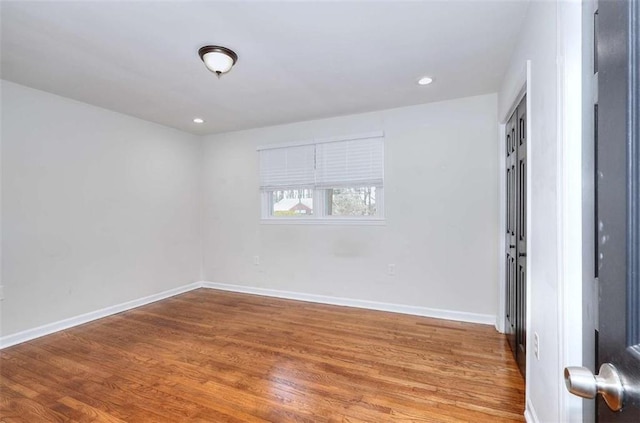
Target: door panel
{"x": 618, "y": 163}
{"x": 521, "y": 232}
{"x": 511, "y": 308}
{"x": 516, "y": 257}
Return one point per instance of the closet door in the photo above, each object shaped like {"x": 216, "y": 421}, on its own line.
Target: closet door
{"x": 521, "y": 236}
{"x": 510, "y": 233}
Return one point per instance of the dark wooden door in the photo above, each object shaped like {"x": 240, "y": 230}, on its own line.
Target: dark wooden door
{"x": 516, "y": 229}
{"x": 618, "y": 201}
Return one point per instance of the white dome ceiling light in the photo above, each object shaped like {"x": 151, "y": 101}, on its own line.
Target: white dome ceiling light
{"x": 218, "y": 60}
{"x": 425, "y": 80}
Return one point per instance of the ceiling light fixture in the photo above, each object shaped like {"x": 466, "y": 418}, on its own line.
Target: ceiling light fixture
{"x": 198, "y": 120}
{"x": 218, "y": 59}
{"x": 425, "y": 80}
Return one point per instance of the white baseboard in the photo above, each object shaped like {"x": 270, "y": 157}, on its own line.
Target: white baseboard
{"x": 499, "y": 324}
{"x": 29, "y": 334}
{"x": 530, "y": 415}
{"x": 488, "y": 319}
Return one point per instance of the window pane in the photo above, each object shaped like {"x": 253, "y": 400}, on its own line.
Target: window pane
{"x": 359, "y": 201}
{"x": 292, "y": 202}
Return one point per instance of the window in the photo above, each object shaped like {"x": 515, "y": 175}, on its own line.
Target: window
{"x": 291, "y": 202}
{"x": 324, "y": 181}
{"x": 360, "y": 201}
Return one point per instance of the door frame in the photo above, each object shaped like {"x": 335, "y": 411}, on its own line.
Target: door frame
{"x": 589, "y": 283}
{"x": 501, "y": 316}
{"x": 522, "y": 87}
{"x": 571, "y": 248}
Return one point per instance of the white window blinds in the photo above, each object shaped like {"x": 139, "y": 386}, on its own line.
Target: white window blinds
{"x": 353, "y": 161}
{"x": 350, "y": 163}
{"x": 292, "y": 167}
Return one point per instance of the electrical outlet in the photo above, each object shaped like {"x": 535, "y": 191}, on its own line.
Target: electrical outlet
{"x": 536, "y": 345}
{"x": 391, "y": 270}
{"x": 256, "y": 260}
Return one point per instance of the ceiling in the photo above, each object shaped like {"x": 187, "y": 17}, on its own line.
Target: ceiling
{"x": 297, "y": 60}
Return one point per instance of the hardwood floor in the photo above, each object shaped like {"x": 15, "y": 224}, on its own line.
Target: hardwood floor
{"x": 214, "y": 356}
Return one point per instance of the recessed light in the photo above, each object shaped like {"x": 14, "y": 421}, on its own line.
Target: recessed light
{"x": 198, "y": 120}
{"x": 425, "y": 80}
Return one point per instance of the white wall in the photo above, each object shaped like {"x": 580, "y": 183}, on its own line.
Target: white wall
{"x": 441, "y": 207}
{"x": 546, "y": 41}
{"x": 98, "y": 208}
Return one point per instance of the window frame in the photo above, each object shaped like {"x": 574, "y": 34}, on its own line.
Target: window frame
{"x": 320, "y": 195}
{"x": 320, "y": 208}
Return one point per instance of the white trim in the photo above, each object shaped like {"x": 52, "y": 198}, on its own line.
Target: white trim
{"x": 502, "y": 223}
{"x": 319, "y": 217}
{"x": 355, "y": 221}
{"x": 531, "y": 116}
{"x": 589, "y": 282}
{"x": 379, "y": 203}
{"x": 29, "y": 334}
{"x": 569, "y": 201}
{"x": 487, "y": 319}
{"x": 524, "y": 84}
{"x": 361, "y": 136}
{"x": 530, "y": 415}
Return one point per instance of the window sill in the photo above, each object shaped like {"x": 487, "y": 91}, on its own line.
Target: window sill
{"x": 325, "y": 221}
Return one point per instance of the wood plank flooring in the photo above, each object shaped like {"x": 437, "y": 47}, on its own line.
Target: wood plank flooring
{"x": 214, "y": 356}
